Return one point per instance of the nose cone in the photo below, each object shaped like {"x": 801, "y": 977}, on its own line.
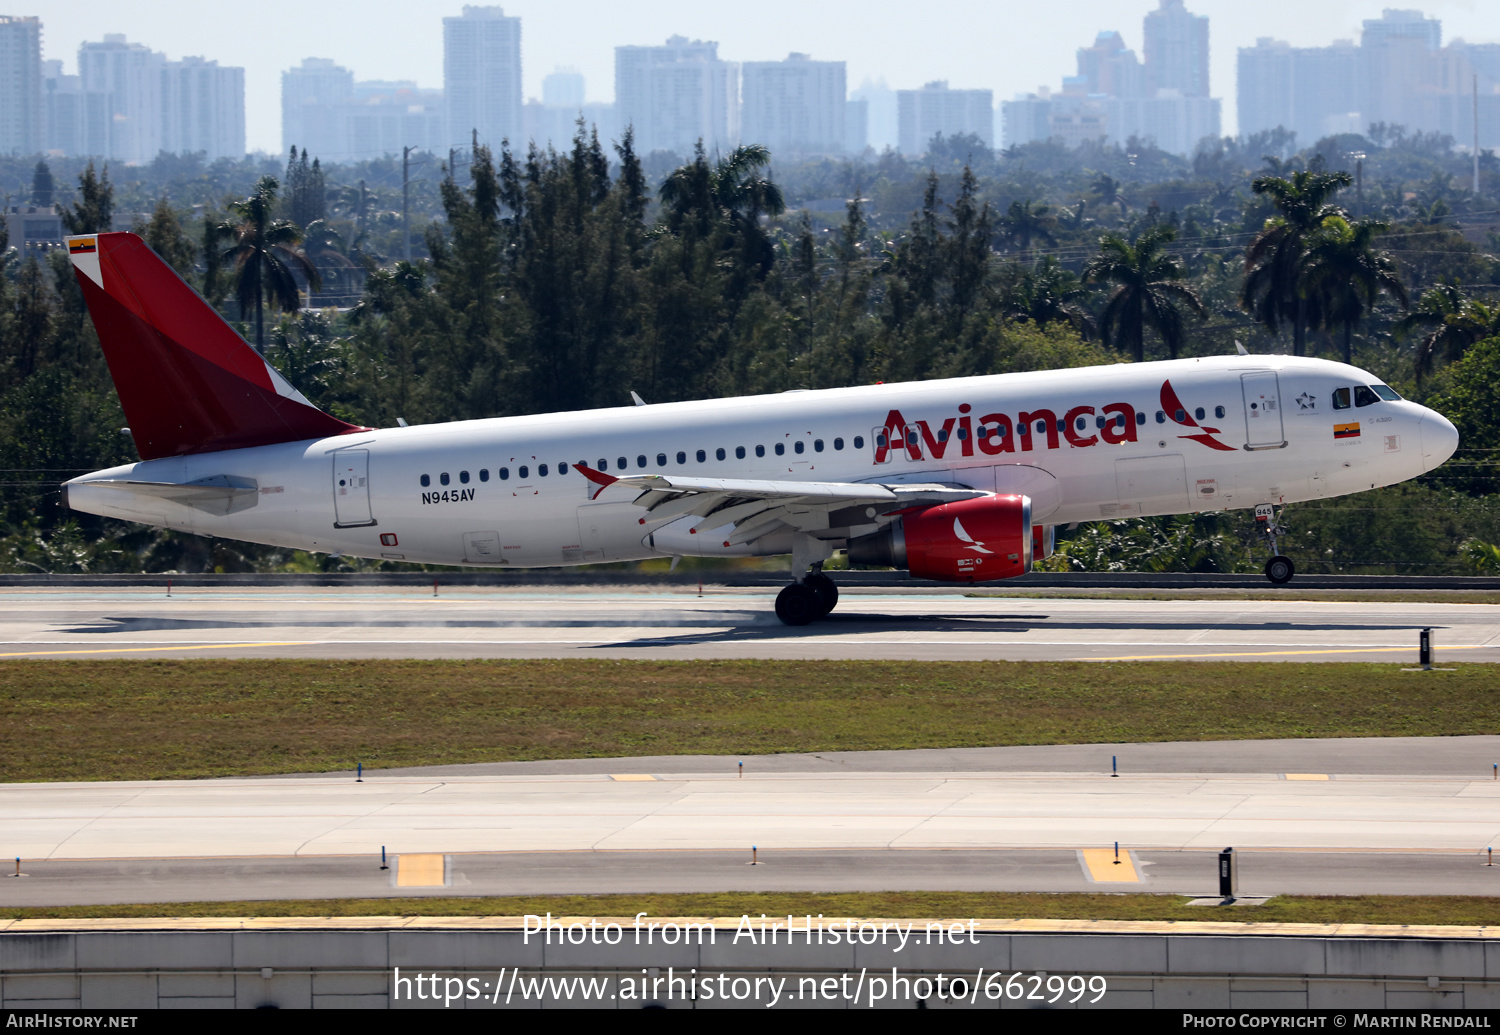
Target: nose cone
{"x": 1439, "y": 439}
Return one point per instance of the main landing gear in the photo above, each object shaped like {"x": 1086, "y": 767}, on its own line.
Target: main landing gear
{"x": 1279, "y": 569}
{"x": 808, "y": 600}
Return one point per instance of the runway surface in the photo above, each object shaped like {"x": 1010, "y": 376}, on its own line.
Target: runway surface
{"x": 924, "y": 624}
{"x": 840, "y": 823}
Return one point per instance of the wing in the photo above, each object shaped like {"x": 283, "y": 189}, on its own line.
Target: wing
{"x": 824, "y": 510}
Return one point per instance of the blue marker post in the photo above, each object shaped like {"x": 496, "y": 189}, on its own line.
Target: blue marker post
{"x": 1114, "y": 765}
{"x": 1117, "y": 853}
{"x": 742, "y": 770}
{"x": 359, "y": 772}
{"x": 753, "y": 861}
{"x": 383, "y": 866}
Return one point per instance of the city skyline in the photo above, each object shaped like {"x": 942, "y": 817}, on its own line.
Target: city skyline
{"x": 1012, "y": 52}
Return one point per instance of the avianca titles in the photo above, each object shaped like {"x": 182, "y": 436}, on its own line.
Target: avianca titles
{"x": 957, "y": 480}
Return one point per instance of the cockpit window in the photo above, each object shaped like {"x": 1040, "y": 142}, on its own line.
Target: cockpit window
{"x": 1341, "y": 398}
{"x": 1364, "y": 397}
{"x": 1386, "y": 392}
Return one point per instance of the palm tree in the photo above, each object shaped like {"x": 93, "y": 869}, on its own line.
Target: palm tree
{"x": 1453, "y": 322}
{"x": 1148, "y": 291}
{"x": 731, "y": 191}
{"x": 264, "y": 255}
{"x": 1275, "y": 261}
{"x": 1049, "y": 293}
{"x": 1346, "y": 274}
{"x": 1021, "y": 225}
{"x": 1108, "y": 190}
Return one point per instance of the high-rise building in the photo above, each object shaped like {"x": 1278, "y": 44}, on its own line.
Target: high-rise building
{"x": 856, "y": 126}
{"x": 203, "y": 109}
{"x": 482, "y": 76}
{"x": 553, "y": 121}
{"x": 129, "y": 75}
{"x": 313, "y": 96}
{"x": 794, "y": 107}
{"x": 1399, "y": 75}
{"x": 1163, "y": 100}
{"x": 677, "y": 95}
{"x": 21, "y": 112}
{"x": 1176, "y": 51}
{"x": 564, "y": 88}
{"x": 883, "y": 125}
{"x": 923, "y": 114}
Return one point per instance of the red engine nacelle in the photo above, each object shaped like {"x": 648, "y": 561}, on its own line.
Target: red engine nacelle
{"x": 1043, "y": 541}
{"x": 976, "y": 540}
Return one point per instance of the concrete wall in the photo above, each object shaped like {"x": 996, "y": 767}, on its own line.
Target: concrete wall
{"x": 350, "y": 963}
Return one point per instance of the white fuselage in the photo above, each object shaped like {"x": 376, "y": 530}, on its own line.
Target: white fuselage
{"x": 491, "y": 492}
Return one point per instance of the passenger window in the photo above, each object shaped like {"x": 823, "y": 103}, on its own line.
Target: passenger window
{"x": 463, "y": 476}
{"x": 1199, "y": 413}
{"x": 562, "y": 469}
{"x": 603, "y": 464}
{"x": 760, "y": 450}
{"x": 1180, "y": 417}
{"x": 798, "y": 447}
{"x": 942, "y": 434}
{"x": 484, "y": 474}
{"x": 1041, "y": 427}
{"x": 681, "y": 457}
{"x": 1219, "y": 411}
{"x": 661, "y": 459}
{"x": 1025, "y": 429}
{"x": 426, "y": 480}
{"x": 838, "y": 443}
{"x": 640, "y": 461}
{"x": 1082, "y": 423}
{"x": 1364, "y": 397}
{"x": 504, "y": 473}
{"x": 1140, "y": 417}
{"x": 541, "y": 469}
{"x": 522, "y": 472}
{"x": 859, "y": 442}
{"x": 621, "y": 464}
{"x": 443, "y": 477}
{"x": 881, "y": 442}
{"x": 719, "y": 453}
{"x": 817, "y": 445}
{"x": 1161, "y": 418}
{"x": 1341, "y": 398}
{"x": 739, "y": 452}
{"x": 781, "y": 449}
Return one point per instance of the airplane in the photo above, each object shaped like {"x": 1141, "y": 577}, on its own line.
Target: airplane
{"x": 959, "y": 480}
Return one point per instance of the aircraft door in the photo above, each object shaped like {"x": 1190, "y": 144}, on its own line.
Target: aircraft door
{"x": 1263, "y": 428}
{"x": 351, "y": 489}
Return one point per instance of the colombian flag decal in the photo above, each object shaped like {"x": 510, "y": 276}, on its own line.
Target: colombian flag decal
{"x": 1346, "y": 430}
{"x": 82, "y": 245}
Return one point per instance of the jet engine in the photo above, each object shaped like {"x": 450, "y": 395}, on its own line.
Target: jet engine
{"x": 1043, "y": 541}
{"x": 977, "y": 540}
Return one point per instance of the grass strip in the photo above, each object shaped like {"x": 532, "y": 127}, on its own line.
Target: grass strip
{"x": 158, "y": 719}
{"x": 1460, "y": 910}
{"x": 1347, "y": 596}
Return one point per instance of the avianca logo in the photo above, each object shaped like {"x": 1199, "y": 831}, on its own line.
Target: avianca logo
{"x": 994, "y": 434}
{"x": 960, "y": 532}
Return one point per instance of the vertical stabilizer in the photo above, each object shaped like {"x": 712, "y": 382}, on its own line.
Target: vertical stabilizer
{"x": 187, "y": 381}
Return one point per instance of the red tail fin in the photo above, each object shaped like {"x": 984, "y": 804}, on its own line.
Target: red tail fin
{"x": 187, "y": 381}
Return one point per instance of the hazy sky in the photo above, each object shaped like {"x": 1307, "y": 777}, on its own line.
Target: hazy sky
{"x": 1006, "y": 46}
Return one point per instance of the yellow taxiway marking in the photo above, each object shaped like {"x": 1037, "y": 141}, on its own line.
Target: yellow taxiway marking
{"x": 419, "y": 871}
{"x": 1305, "y": 776}
{"x": 634, "y": 778}
{"x": 135, "y": 650}
{"x": 1284, "y": 653}
{"x": 1104, "y": 866}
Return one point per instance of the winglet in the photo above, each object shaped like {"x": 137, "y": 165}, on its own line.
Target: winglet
{"x": 599, "y": 478}
{"x": 187, "y": 382}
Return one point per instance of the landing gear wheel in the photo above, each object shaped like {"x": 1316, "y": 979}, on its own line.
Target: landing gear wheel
{"x": 1280, "y": 570}
{"x": 825, "y": 590}
{"x": 797, "y": 605}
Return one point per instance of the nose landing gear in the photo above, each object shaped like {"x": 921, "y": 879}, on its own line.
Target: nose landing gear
{"x": 1279, "y": 569}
